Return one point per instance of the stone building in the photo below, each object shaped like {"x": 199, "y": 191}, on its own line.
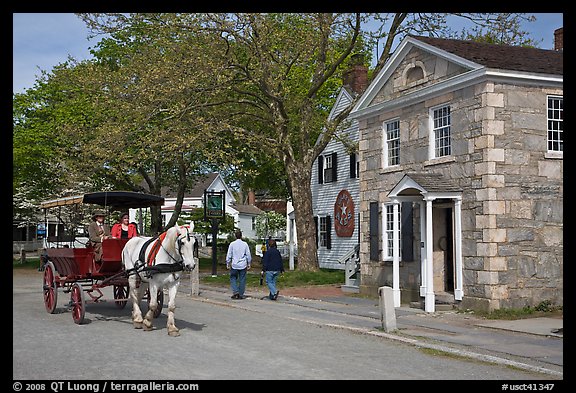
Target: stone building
{"x": 461, "y": 175}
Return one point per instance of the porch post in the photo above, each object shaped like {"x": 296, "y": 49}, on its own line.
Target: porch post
{"x": 396, "y": 255}
{"x": 429, "y": 299}
{"x": 291, "y": 234}
{"x": 458, "y": 288}
{"x": 422, "y": 249}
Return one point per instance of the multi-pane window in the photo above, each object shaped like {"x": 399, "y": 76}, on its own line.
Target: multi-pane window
{"x": 253, "y": 223}
{"x": 441, "y": 131}
{"x": 388, "y": 252}
{"x": 392, "y": 143}
{"x": 323, "y": 231}
{"x": 555, "y": 123}
{"x": 328, "y": 169}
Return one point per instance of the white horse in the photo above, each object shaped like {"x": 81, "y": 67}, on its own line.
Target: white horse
{"x": 158, "y": 261}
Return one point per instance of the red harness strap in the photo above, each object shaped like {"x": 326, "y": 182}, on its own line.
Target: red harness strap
{"x": 155, "y": 248}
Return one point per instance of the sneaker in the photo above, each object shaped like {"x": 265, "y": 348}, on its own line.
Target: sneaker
{"x": 235, "y": 296}
{"x": 271, "y": 297}
{"x": 241, "y": 297}
{"x": 276, "y": 295}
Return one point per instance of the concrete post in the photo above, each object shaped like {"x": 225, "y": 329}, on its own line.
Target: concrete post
{"x": 387, "y": 311}
{"x": 195, "y": 279}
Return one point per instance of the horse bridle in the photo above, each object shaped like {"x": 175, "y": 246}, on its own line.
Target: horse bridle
{"x": 167, "y": 267}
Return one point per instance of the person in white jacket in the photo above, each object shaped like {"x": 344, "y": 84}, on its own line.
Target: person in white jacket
{"x": 238, "y": 260}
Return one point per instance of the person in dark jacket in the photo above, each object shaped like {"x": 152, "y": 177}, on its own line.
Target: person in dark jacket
{"x": 272, "y": 265}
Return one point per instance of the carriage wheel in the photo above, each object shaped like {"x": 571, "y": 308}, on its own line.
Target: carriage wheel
{"x": 77, "y": 301}
{"x": 160, "y": 300}
{"x": 121, "y": 295}
{"x": 50, "y": 288}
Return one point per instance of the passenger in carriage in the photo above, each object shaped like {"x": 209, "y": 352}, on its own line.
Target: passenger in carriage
{"x": 97, "y": 232}
{"x": 124, "y": 229}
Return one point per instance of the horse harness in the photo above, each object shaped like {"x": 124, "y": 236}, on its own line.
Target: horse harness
{"x": 150, "y": 268}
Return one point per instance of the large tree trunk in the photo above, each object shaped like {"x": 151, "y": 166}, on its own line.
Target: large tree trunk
{"x": 300, "y": 176}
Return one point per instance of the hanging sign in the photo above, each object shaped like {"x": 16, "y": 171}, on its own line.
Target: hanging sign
{"x": 213, "y": 204}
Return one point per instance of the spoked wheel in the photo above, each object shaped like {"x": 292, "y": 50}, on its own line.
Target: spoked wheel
{"x": 50, "y": 287}
{"x": 159, "y": 298}
{"x": 121, "y": 295}
{"x": 77, "y": 302}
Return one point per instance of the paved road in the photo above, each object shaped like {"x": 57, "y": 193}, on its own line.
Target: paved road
{"x": 217, "y": 342}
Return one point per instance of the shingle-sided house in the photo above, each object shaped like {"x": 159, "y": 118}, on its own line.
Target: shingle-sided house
{"x": 334, "y": 183}
{"x": 461, "y": 175}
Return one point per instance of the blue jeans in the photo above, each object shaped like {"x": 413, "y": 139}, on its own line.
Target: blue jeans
{"x": 238, "y": 281}
{"x": 271, "y": 282}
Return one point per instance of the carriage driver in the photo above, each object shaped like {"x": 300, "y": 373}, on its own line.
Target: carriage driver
{"x": 98, "y": 231}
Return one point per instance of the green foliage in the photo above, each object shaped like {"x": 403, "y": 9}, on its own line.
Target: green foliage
{"x": 544, "y": 308}
{"x": 269, "y": 223}
{"x": 290, "y": 278}
{"x": 225, "y": 226}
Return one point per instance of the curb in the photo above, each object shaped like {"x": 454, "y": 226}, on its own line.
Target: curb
{"x": 406, "y": 340}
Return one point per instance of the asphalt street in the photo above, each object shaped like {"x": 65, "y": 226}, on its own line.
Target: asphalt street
{"x": 252, "y": 339}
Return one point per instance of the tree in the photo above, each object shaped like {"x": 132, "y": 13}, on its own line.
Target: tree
{"x": 259, "y": 81}
{"x": 268, "y": 223}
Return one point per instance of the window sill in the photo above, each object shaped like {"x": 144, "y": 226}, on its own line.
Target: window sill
{"x": 554, "y": 155}
{"x": 440, "y": 160}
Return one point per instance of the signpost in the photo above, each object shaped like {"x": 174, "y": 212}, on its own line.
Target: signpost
{"x": 214, "y": 203}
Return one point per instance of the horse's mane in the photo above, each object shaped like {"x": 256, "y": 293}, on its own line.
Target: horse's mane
{"x": 169, "y": 243}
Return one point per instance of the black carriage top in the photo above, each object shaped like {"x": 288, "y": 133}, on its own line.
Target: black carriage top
{"x": 111, "y": 199}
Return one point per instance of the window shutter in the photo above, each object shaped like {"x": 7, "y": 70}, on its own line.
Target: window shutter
{"x": 334, "y": 167}
{"x": 320, "y": 169}
{"x": 316, "y": 232}
{"x": 353, "y": 166}
{"x": 374, "y": 236}
{"x": 328, "y": 232}
{"x": 407, "y": 232}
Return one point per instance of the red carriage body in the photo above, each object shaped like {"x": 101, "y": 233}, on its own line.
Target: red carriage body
{"x": 74, "y": 270}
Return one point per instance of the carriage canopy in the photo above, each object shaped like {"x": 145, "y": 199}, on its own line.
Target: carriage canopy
{"x": 110, "y": 199}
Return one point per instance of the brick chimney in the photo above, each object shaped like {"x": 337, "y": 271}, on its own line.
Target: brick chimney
{"x": 251, "y": 197}
{"x": 356, "y": 77}
{"x": 559, "y": 39}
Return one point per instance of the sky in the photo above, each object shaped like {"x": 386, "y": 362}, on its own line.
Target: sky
{"x": 44, "y": 40}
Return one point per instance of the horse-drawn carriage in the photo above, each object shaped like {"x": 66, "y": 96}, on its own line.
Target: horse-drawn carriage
{"x": 125, "y": 263}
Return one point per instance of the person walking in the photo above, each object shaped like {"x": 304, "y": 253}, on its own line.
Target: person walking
{"x": 238, "y": 260}
{"x": 272, "y": 266}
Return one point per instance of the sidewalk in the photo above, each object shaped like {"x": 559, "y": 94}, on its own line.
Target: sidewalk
{"x": 533, "y": 344}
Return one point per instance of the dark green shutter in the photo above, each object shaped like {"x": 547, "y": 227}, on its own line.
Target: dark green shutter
{"x": 316, "y": 232}
{"x": 328, "y": 232}
{"x": 407, "y": 232}
{"x": 374, "y": 235}
{"x": 334, "y": 167}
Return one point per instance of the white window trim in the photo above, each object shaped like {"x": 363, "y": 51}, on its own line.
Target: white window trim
{"x": 385, "y": 143}
{"x": 552, "y": 153}
{"x": 387, "y": 254}
{"x": 432, "y": 134}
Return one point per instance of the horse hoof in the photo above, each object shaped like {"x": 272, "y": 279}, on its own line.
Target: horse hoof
{"x": 174, "y": 333}
{"x": 148, "y": 328}
{"x": 138, "y": 325}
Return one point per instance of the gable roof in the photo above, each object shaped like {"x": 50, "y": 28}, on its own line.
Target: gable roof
{"x": 204, "y": 182}
{"x": 247, "y": 209}
{"x": 425, "y": 183}
{"x": 510, "y": 64}
{"x": 506, "y": 57}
